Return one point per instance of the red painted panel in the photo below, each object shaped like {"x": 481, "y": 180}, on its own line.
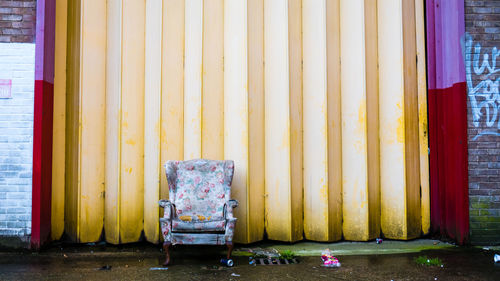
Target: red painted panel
{"x": 447, "y": 107}
{"x": 42, "y": 163}
{"x": 456, "y": 163}
{"x": 448, "y": 162}
{"x": 433, "y": 160}
{"x": 42, "y": 124}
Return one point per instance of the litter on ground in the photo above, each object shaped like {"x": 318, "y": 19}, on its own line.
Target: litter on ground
{"x": 158, "y": 268}
{"x": 329, "y": 260}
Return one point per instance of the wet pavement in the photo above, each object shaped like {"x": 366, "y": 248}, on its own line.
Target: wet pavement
{"x": 134, "y": 262}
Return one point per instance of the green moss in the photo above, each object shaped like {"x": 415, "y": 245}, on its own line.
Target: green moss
{"x": 480, "y": 205}
{"x": 473, "y": 213}
{"x": 487, "y": 219}
{"x": 473, "y": 199}
{"x": 485, "y": 213}
{"x": 424, "y": 260}
{"x": 242, "y": 254}
{"x": 287, "y": 254}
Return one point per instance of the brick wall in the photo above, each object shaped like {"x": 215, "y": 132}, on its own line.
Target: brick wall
{"x": 17, "y": 63}
{"x": 482, "y": 21}
{"x": 17, "y": 21}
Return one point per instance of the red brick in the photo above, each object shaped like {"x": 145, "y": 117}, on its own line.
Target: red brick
{"x": 483, "y": 24}
{"x": 17, "y": 21}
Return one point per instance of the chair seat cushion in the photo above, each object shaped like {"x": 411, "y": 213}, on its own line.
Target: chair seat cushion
{"x": 179, "y": 225}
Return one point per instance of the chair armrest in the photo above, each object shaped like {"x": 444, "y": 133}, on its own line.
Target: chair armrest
{"x": 168, "y": 207}
{"x": 166, "y": 221}
{"x": 230, "y": 220}
{"x": 228, "y": 212}
{"x": 232, "y": 203}
{"x": 164, "y": 203}
{"x": 171, "y": 172}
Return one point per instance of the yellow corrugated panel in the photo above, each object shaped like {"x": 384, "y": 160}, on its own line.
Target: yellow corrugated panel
{"x": 212, "y": 126}
{"x": 372, "y": 115}
{"x": 400, "y": 217}
{"x": 422, "y": 115}
{"x": 193, "y": 59}
{"x": 392, "y": 133}
{"x": 71, "y": 194}
{"x": 84, "y": 206}
{"x": 172, "y": 99}
{"x": 92, "y": 114}
{"x": 59, "y": 123}
{"x": 256, "y": 138}
{"x": 355, "y": 189}
{"x": 113, "y": 120}
{"x": 326, "y": 144}
{"x": 316, "y": 209}
{"x": 296, "y": 115}
{"x": 236, "y": 108}
{"x": 152, "y": 119}
{"x": 334, "y": 119}
{"x": 277, "y": 119}
{"x": 132, "y": 122}
{"x": 125, "y": 121}
{"x": 412, "y": 154}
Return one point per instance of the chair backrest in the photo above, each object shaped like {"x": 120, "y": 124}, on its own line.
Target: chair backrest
{"x": 199, "y": 188}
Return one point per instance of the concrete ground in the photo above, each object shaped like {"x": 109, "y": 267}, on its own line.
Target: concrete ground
{"x": 391, "y": 260}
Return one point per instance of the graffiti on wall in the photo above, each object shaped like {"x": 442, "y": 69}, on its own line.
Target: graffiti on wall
{"x": 483, "y": 81}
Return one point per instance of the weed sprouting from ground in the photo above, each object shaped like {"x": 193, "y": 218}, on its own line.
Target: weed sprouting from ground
{"x": 287, "y": 254}
{"x": 424, "y": 260}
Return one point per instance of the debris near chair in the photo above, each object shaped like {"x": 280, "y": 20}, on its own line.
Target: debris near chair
{"x": 263, "y": 253}
{"x": 227, "y": 262}
{"x": 105, "y": 267}
{"x": 269, "y": 256}
{"x": 496, "y": 258}
{"x": 214, "y": 267}
{"x": 328, "y": 259}
{"x": 271, "y": 261}
{"x": 158, "y": 268}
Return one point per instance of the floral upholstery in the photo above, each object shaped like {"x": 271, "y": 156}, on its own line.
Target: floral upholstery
{"x": 200, "y": 192}
{"x": 188, "y": 226}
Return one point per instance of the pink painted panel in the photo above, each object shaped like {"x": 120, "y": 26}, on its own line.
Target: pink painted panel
{"x": 445, "y": 29}
{"x": 45, "y": 41}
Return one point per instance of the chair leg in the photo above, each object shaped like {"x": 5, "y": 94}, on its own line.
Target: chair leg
{"x": 166, "y": 248}
{"x": 230, "y": 247}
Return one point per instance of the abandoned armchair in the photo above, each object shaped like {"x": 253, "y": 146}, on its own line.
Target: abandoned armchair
{"x": 200, "y": 209}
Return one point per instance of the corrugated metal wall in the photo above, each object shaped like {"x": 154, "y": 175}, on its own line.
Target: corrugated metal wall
{"x": 320, "y": 103}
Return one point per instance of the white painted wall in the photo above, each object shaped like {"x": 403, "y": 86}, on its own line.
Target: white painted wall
{"x": 17, "y": 62}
